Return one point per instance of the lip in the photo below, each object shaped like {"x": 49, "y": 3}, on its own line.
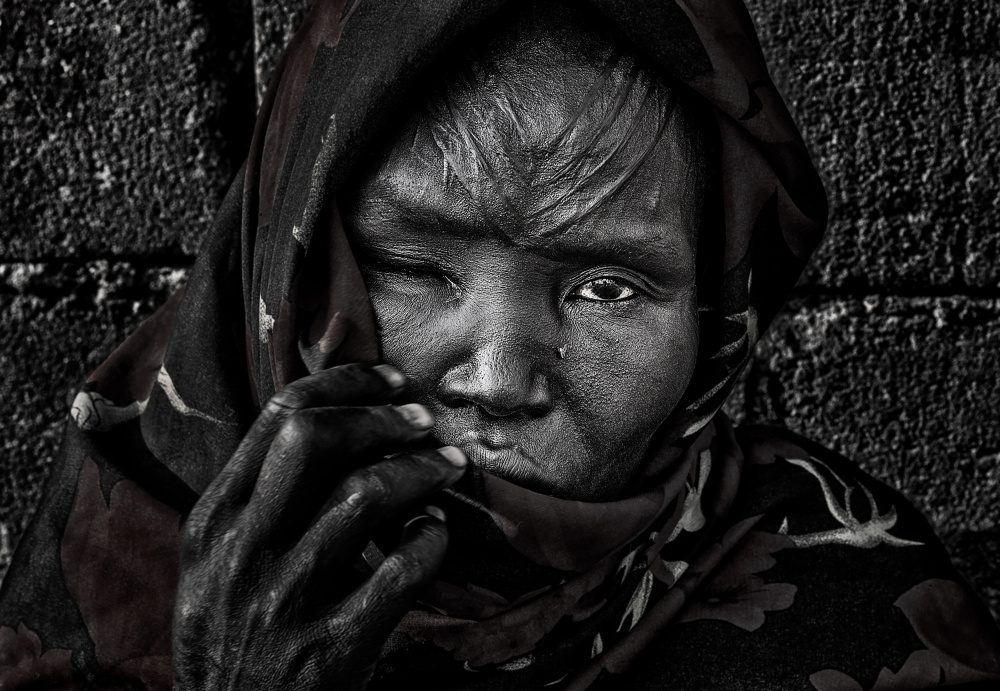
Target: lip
{"x": 499, "y": 455}
{"x": 492, "y": 438}
{"x": 495, "y": 461}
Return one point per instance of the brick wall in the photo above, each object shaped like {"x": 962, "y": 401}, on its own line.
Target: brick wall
{"x": 123, "y": 122}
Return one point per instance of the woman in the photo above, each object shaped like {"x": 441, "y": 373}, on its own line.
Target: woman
{"x": 563, "y": 247}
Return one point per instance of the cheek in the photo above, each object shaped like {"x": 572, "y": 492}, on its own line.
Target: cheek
{"x": 633, "y": 371}
{"x": 409, "y": 337}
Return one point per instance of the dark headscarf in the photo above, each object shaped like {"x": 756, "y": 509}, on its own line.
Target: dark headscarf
{"x": 338, "y": 86}
{"x": 536, "y": 591}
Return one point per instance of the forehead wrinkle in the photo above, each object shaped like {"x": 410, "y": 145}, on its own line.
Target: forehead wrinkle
{"x": 563, "y": 137}
{"x": 470, "y": 191}
{"x": 578, "y": 184}
{"x": 609, "y": 119}
{"x": 386, "y": 213}
{"x": 510, "y": 110}
{"x": 483, "y": 182}
{"x": 669, "y": 176}
{"x": 650, "y": 245}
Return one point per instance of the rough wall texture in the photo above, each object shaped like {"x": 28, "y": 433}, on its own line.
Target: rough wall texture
{"x": 890, "y": 353}
{"x": 121, "y": 126}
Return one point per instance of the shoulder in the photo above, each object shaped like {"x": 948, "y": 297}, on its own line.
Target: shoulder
{"x": 840, "y": 584}
{"x": 824, "y": 498}
{"x": 849, "y": 536}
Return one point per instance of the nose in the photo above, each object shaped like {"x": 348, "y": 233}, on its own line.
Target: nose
{"x": 501, "y": 377}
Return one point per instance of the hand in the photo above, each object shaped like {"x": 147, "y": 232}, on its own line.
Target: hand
{"x": 268, "y": 595}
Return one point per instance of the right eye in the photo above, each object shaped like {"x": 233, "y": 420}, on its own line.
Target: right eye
{"x": 410, "y": 277}
{"x": 605, "y": 289}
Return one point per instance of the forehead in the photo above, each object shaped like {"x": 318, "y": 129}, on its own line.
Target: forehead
{"x": 548, "y": 137}
{"x": 424, "y": 186}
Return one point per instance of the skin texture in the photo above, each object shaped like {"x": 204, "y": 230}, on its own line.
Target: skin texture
{"x": 530, "y": 255}
{"x": 539, "y": 289}
{"x": 268, "y": 597}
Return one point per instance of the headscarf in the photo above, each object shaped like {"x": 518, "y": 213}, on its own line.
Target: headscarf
{"x": 342, "y": 78}
{"x": 550, "y": 592}
{"x": 333, "y": 95}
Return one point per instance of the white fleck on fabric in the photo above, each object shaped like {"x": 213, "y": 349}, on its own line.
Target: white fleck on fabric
{"x": 518, "y": 663}
{"x": 167, "y": 384}
{"x": 598, "y": 647}
{"x": 640, "y": 599}
{"x": 676, "y": 568}
{"x": 693, "y": 518}
{"x": 266, "y": 321}
{"x": 92, "y": 412}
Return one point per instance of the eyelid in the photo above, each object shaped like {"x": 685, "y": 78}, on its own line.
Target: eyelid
{"x": 414, "y": 267}
{"x": 402, "y": 263}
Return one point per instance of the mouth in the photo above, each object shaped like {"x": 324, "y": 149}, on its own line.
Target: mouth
{"x": 499, "y": 455}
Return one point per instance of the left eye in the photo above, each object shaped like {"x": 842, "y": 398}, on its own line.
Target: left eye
{"x": 604, "y": 290}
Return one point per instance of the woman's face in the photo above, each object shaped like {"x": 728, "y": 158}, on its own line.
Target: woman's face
{"x": 549, "y": 350}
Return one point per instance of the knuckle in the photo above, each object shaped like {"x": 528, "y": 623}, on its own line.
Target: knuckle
{"x": 351, "y": 374}
{"x": 368, "y": 487}
{"x": 290, "y": 398}
{"x": 204, "y": 521}
{"x": 193, "y": 542}
{"x": 309, "y": 390}
{"x": 297, "y": 429}
{"x": 341, "y": 631}
{"x": 430, "y": 542}
{"x": 196, "y": 526}
{"x": 402, "y": 568}
{"x": 387, "y": 421}
{"x": 355, "y": 495}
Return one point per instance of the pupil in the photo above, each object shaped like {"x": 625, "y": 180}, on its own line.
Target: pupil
{"x": 606, "y": 289}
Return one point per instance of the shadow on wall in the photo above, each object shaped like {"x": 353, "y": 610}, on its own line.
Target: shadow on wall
{"x": 128, "y": 122}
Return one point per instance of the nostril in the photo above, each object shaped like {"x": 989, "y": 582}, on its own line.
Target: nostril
{"x": 497, "y": 406}
{"x": 496, "y": 384}
{"x": 494, "y": 411}
{"x": 488, "y": 409}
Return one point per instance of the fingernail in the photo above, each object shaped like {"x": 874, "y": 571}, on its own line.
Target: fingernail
{"x": 417, "y": 415}
{"x": 392, "y": 376}
{"x": 454, "y": 455}
{"x": 432, "y": 511}
{"x": 418, "y": 517}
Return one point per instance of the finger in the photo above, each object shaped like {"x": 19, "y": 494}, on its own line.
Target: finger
{"x": 314, "y": 450}
{"x": 365, "y": 499}
{"x": 353, "y": 384}
{"x": 372, "y": 611}
{"x": 233, "y": 486}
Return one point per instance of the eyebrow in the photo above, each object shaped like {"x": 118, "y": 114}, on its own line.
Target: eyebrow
{"x": 398, "y": 209}
{"x": 638, "y": 249}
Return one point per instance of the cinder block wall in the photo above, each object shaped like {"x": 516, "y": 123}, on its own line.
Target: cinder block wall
{"x": 890, "y": 350}
{"x": 122, "y": 126}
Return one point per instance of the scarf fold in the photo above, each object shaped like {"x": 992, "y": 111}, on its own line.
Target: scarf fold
{"x": 535, "y": 587}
